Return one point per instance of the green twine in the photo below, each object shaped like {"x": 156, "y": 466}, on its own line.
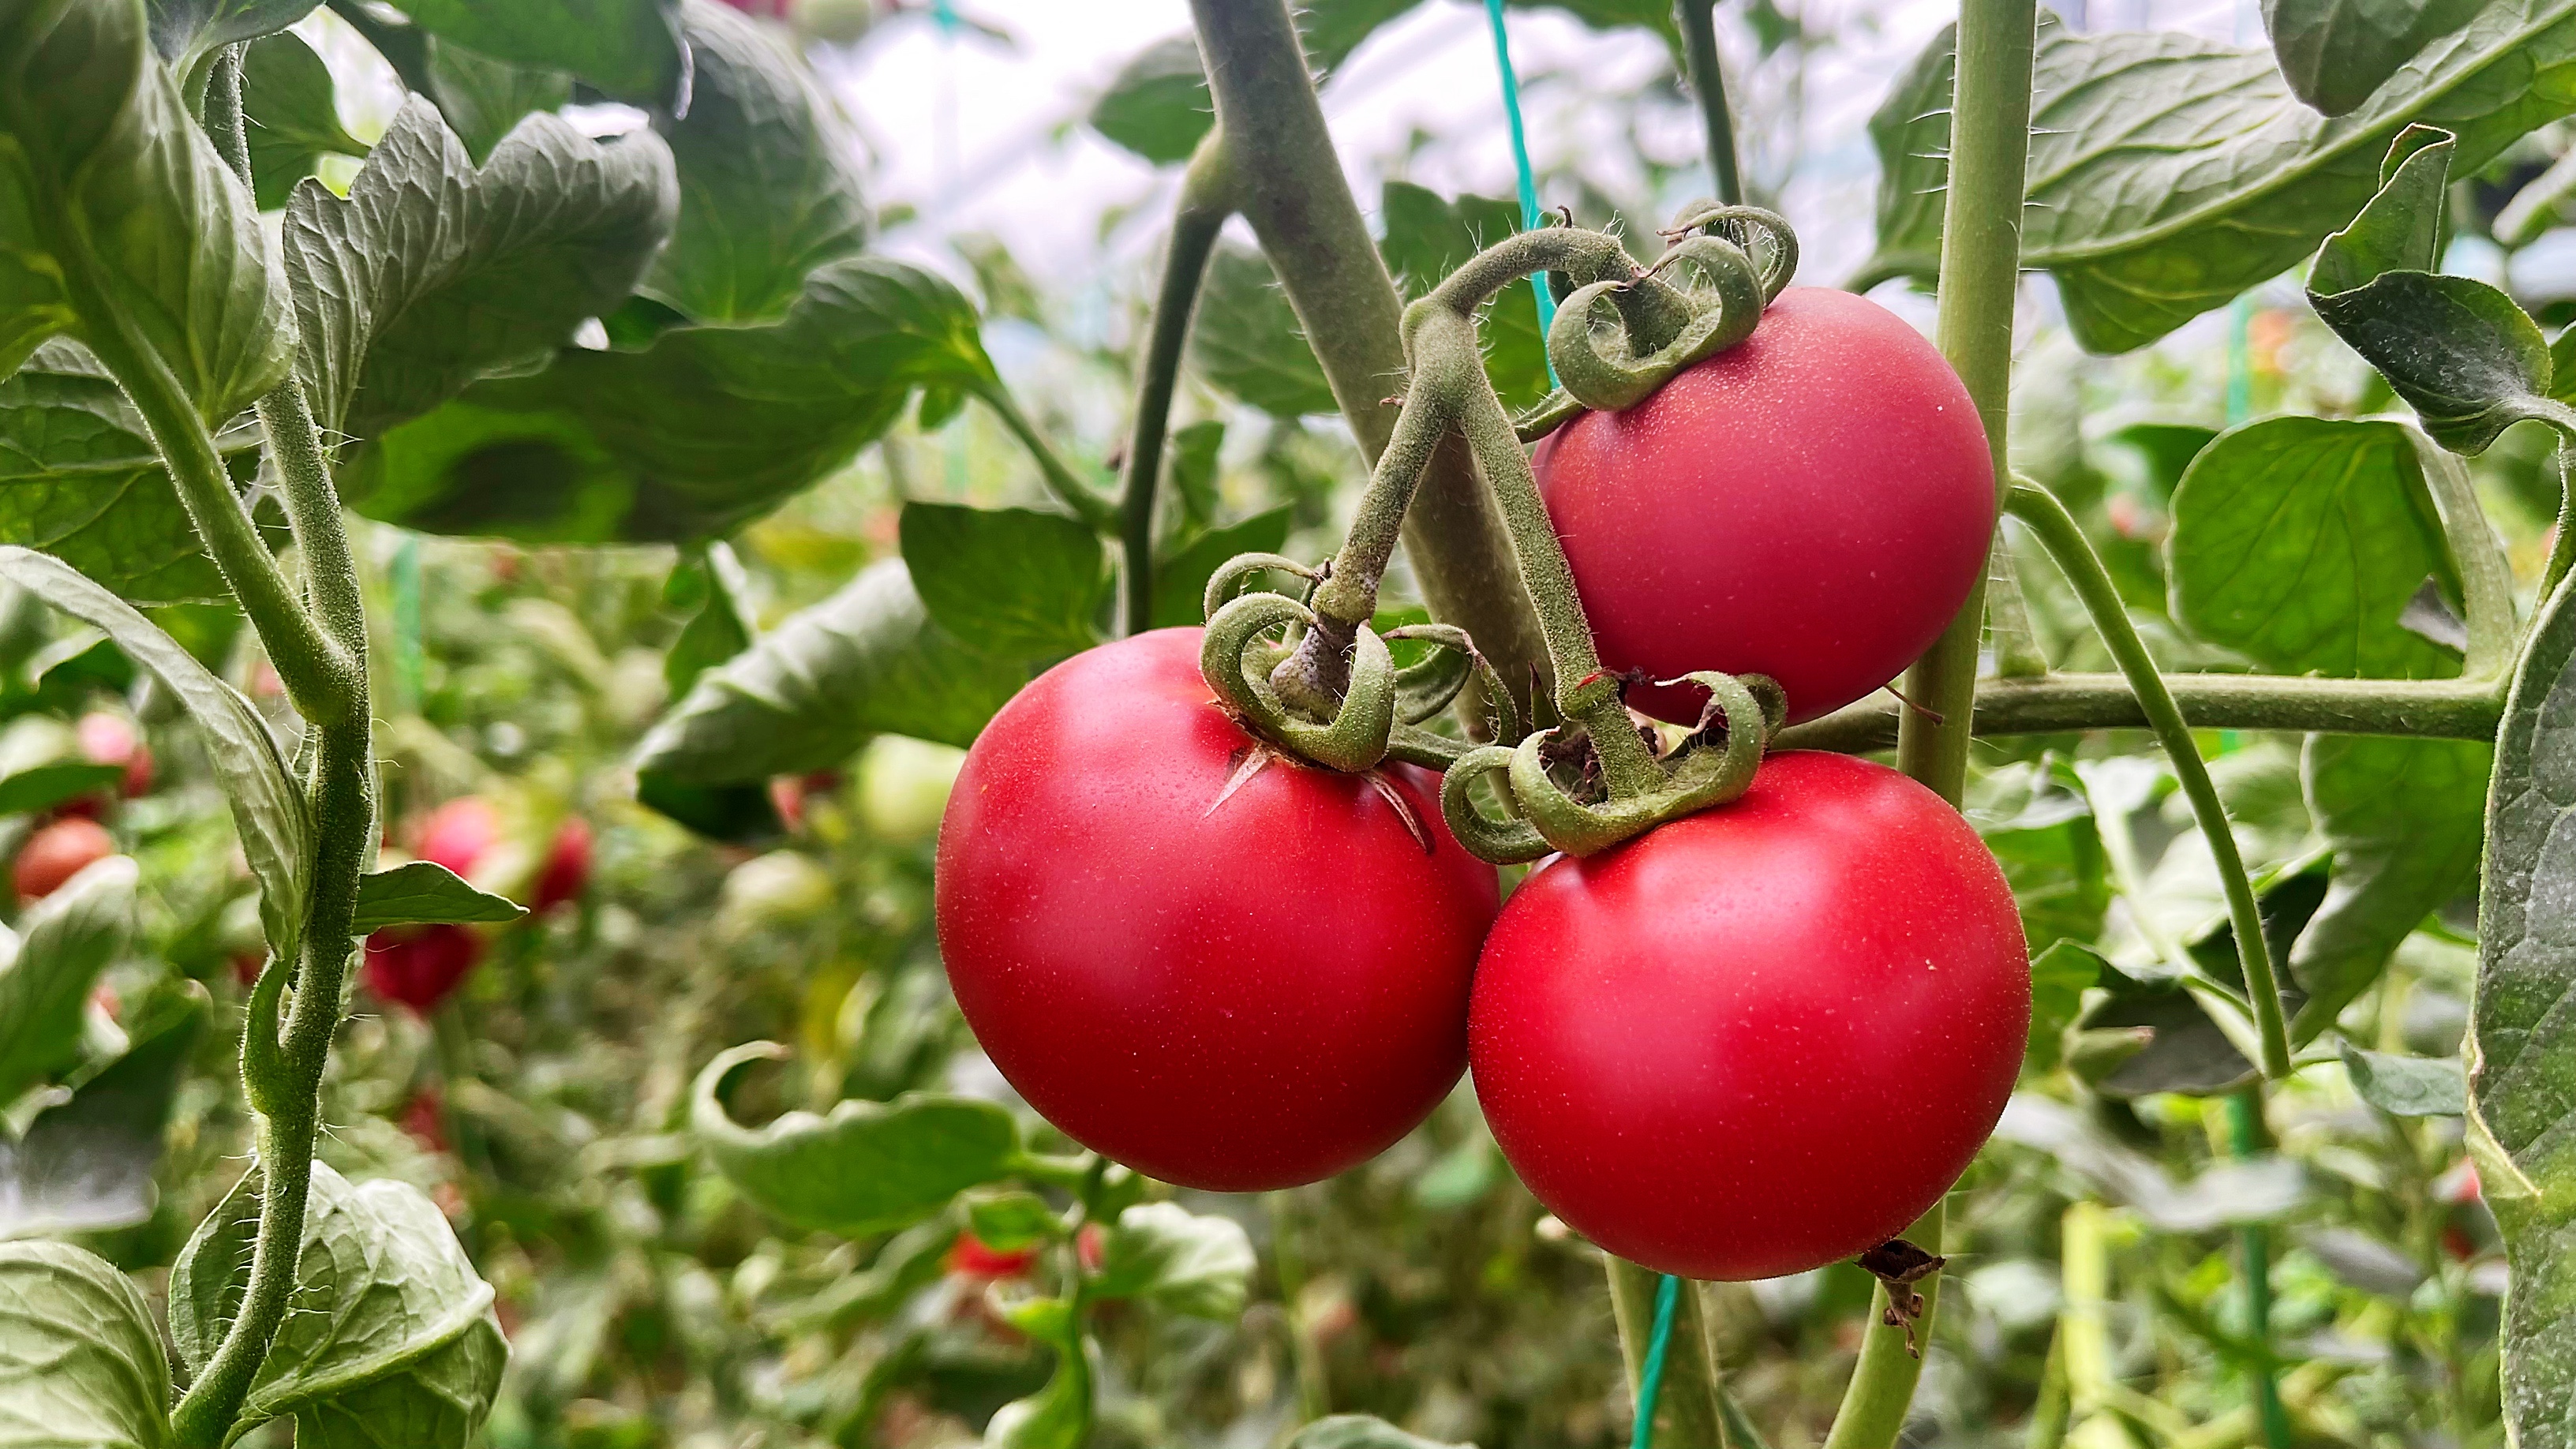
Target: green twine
{"x": 1650, "y": 1379}
{"x": 1521, "y": 165}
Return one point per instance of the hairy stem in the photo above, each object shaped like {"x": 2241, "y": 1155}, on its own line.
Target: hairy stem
{"x": 342, "y": 794}
{"x": 2452, "y": 709}
{"x": 2562, "y": 543}
{"x": 1300, "y": 206}
{"x": 1206, "y": 201}
{"x": 1882, "y": 1385}
{"x": 1068, "y": 488}
{"x": 1708, "y": 79}
{"x": 2066, "y": 543}
{"x": 2486, "y": 578}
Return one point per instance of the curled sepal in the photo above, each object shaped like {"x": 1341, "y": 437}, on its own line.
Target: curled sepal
{"x": 1703, "y": 774}
{"x": 1502, "y": 842}
{"x": 1237, "y": 667}
{"x": 1236, "y": 571}
{"x": 1741, "y": 225}
{"x": 1425, "y": 687}
{"x": 1598, "y": 368}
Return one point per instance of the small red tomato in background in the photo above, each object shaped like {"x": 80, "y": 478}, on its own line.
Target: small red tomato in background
{"x": 107, "y": 739}
{"x": 1762, "y": 1038}
{"x": 424, "y": 1117}
{"x": 566, "y": 873}
{"x": 56, "y": 852}
{"x": 459, "y": 832}
{"x": 420, "y": 966}
{"x": 1226, "y": 981}
{"x": 971, "y": 1257}
{"x": 1813, "y": 503}
{"x": 246, "y": 966}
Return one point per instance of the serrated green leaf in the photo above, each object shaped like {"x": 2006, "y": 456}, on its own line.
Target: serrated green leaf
{"x": 423, "y": 892}
{"x": 866, "y": 661}
{"x": 1246, "y": 341}
{"x": 700, "y": 431}
{"x": 628, "y": 48}
{"x": 185, "y": 30}
{"x": 1427, "y": 238}
{"x": 1361, "y": 1431}
{"x": 67, "y": 940}
{"x": 103, "y": 173}
{"x": 484, "y": 99}
{"x": 1190, "y": 1263}
{"x": 769, "y": 178}
{"x": 2405, "y": 1086}
{"x": 86, "y": 1165}
{"x": 434, "y": 272}
{"x": 2223, "y": 178}
{"x": 268, "y": 810}
{"x": 2522, "y": 1079}
{"x": 388, "y": 1321}
{"x": 80, "y": 480}
{"x": 1180, "y": 579}
{"x": 81, "y": 1365}
{"x": 1009, "y": 582}
{"x": 2334, "y": 53}
{"x": 1158, "y": 104}
{"x": 720, "y": 626}
{"x": 289, "y": 115}
{"x": 868, "y": 1167}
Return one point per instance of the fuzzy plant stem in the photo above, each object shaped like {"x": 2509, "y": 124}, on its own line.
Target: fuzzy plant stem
{"x": 1206, "y": 201}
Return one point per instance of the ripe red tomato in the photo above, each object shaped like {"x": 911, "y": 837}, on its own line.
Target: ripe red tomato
{"x": 459, "y": 832}
{"x": 420, "y": 965}
{"x": 972, "y": 1257}
{"x": 1226, "y": 991}
{"x": 566, "y": 873}
{"x": 1762, "y": 1038}
{"x": 56, "y": 853}
{"x": 107, "y": 739}
{"x": 1813, "y": 504}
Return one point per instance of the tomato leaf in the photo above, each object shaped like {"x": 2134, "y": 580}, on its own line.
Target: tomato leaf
{"x": 184, "y": 31}
{"x": 2405, "y": 818}
{"x": 697, "y": 432}
{"x": 1059, "y": 1415}
{"x": 87, "y": 1164}
{"x": 2334, "y": 53}
{"x": 1360, "y": 1431}
{"x": 435, "y": 272}
{"x": 2229, "y": 1192}
{"x": 80, "y": 480}
{"x": 483, "y": 99}
{"x": 1246, "y": 340}
{"x": 720, "y": 626}
{"x": 69, "y": 938}
{"x": 769, "y": 179}
{"x": 1428, "y": 238}
{"x": 289, "y": 115}
{"x": 1190, "y": 1263}
{"x": 630, "y": 49}
{"x": 866, "y": 661}
{"x": 1009, "y": 1221}
{"x": 80, "y": 1357}
{"x": 868, "y": 1167}
{"x": 1158, "y": 104}
{"x": 1009, "y": 582}
{"x": 389, "y": 1335}
{"x": 2405, "y": 1086}
{"x": 2461, "y": 353}
{"x": 103, "y": 172}
{"x": 2223, "y": 178}
{"x": 268, "y": 810}
{"x": 1180, "y": 578}
{"x": 2038, "y": 821}
{"x": 423, "y": 892}
{"x": 2522, "y": 1080}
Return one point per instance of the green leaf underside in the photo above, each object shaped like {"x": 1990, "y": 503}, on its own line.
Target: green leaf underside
{"x": 434, "y": 272}
{"x": 1246, "y": 340}
{"x": 425, "y": 892}
{"x": 2407, "y": 1086}
{"x": 866, "y": 661}
{"x": 69, "y": 938}
{"x": 184, "y": 30}
{"x": 1185, "y": 1262}
{"x": 2334, "y": 53}
{"x": 699, "y": 431}
{"x": 627, "y": 48}
{"x": 387, "y": 1321}
{"x": 1009, "y": 582}
{"x": 289, "y": 116}
{"x": 768, "y": 171}
{"x": 87, "y": 1164}
{"x": 268, "y": 810}
{"x": 80, "y": 1360}
{"x": 2298, "y": 542}
{"x": 105, "y": 176}
{"x": 483, "y": 99}
{"x": 868, "y": 1167}
{"x": 720, "y": 628}
{"x": 2169, "y": 173}
{"x": 2522, "y": 1081}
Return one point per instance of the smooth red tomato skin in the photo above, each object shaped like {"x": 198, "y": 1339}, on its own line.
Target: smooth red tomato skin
{"x": 1236, "y": 996}
{"x": 56, "y": 853}
{"x": 420, "y": 966}
{"x": 1762, "y": 1038}
{"x": 566, "y": 873}
{"x": 1813, "y": 504}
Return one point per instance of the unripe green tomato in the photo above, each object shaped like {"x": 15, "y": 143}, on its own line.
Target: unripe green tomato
{"x": 903, "y": 786}
{"x": 838, "y": 21}
{"x": 782, "y": 888}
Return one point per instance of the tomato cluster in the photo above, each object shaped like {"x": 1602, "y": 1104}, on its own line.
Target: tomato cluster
{"x": 1755, "y": 1040}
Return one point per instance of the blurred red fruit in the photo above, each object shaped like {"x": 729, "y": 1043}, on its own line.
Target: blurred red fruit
{"x": 2457, "y": 1242}
{"x": 971, "y": 1257}
{"x": 420, "y": 965}
{"x": 246, "y": 966}
{"x": 2459, "y": 1184}
{"x": 107, "y": 739}
{"x": 56, "y": 853}
{"x": 567, "y": 870}
{"x": 425, "y": 1118}
{"x": 459, "y": 832}
{"x": 1086, "y": 1246}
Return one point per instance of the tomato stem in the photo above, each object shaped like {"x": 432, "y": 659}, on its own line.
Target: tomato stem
{"x": 1206, "y": 201}
{"x": 1708, "y": 80}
